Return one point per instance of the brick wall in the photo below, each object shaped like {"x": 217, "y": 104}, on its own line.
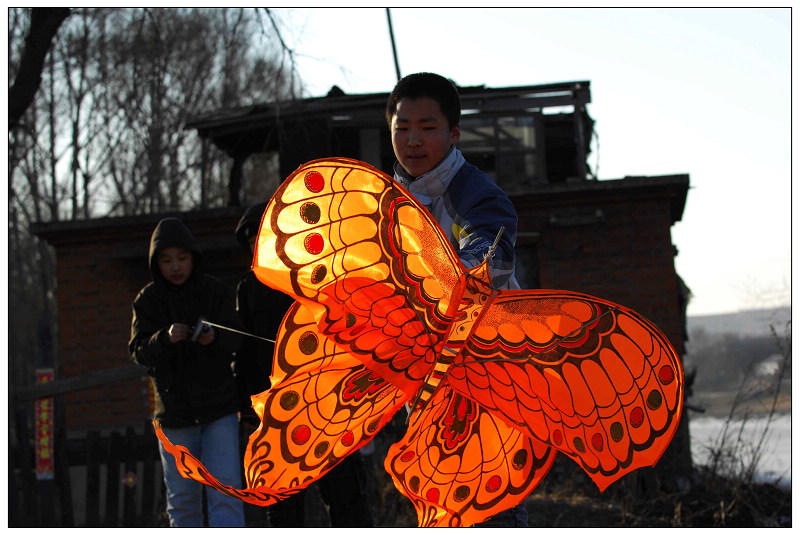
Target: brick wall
{"x": 94, "y": 296}
{"x": 610, "y": 239}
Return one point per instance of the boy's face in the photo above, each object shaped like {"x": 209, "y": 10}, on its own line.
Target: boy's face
{"x": 175, "y": 264}
{"x": 421, "y": 135}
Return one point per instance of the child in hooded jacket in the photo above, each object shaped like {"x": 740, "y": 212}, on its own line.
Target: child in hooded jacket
{"x": 196, "y": 399}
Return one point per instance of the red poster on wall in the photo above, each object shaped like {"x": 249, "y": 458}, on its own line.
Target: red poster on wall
{"x": 43, "y": 421}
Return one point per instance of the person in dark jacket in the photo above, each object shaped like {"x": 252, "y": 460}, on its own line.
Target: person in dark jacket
{"x": 196, "y": 399}
{"x": 261, "y": 310}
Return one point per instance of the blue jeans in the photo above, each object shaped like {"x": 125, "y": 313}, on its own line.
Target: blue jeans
{"x": 216, "y": 444}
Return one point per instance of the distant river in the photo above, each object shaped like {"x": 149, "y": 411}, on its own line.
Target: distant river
{"x": 776, "y": 457}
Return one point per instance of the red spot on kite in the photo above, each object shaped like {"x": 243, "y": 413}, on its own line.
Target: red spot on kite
{"x": 314, "y": 181}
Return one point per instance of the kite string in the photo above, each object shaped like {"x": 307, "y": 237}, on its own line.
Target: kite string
{"x": 202, "y": 322}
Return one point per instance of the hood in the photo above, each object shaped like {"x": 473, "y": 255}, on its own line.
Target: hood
{"x": 249, "y": 224}
{"x": 171, "y": 232}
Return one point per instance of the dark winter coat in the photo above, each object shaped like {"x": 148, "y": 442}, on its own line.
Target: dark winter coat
{"x": 261, "y": 310}
{"x": 194, "y": 383}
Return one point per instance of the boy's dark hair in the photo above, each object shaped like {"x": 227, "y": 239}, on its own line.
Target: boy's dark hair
{"x": 427, "y": 84}
{"x": 249, "y": 224}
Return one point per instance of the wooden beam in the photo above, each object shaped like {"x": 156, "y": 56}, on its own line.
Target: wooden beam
{"x": 80, "y": 382}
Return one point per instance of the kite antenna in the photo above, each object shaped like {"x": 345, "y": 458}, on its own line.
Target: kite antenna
{"x": 490, "y": 252}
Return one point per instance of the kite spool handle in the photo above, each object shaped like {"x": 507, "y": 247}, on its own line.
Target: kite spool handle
{"x": 199, "y": 329}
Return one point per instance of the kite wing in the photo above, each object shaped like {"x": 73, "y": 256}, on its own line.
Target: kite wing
{"x": 591, "y": 378}
{"x": 460, "y": 464}
{"x": 367, "y": 258}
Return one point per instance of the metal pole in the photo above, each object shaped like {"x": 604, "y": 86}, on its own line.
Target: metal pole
{"x": 394, "y": 47}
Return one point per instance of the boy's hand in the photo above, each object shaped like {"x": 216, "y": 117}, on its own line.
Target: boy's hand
{"x": 206, "y": 336}
{"x": 178, "y": 332}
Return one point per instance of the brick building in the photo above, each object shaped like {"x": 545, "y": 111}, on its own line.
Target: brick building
{"x": 610, "y": 239}
{"x": 607, "y": 238}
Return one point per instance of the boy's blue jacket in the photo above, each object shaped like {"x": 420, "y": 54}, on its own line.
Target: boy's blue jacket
{"x": 470, "y": 208}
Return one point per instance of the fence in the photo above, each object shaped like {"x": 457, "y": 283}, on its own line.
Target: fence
{"x": 109, "y": 479}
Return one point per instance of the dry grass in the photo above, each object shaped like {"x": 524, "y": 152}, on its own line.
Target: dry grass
{"x": 711, "y": 501}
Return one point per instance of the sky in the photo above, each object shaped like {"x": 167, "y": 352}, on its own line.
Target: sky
{"x": 703, "y": 92}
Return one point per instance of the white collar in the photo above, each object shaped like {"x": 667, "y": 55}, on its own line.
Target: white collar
{"x": 434, "y": 183}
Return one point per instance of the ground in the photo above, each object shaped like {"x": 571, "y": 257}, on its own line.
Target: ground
{"x": 575, "y": 502}
{"x": 713, "y": 503}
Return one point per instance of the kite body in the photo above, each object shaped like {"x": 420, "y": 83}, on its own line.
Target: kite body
{"x": 498, "y": 381}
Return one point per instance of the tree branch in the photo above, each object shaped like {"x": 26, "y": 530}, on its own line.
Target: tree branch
{"x": 45, "y": 22}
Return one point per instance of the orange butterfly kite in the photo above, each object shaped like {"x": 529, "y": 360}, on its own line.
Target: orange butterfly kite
{"x": 498, "y": 381}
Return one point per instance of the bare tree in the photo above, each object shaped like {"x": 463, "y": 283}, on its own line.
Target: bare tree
{"x": 96, "y": 127}
{"x": 119, "y": 87}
